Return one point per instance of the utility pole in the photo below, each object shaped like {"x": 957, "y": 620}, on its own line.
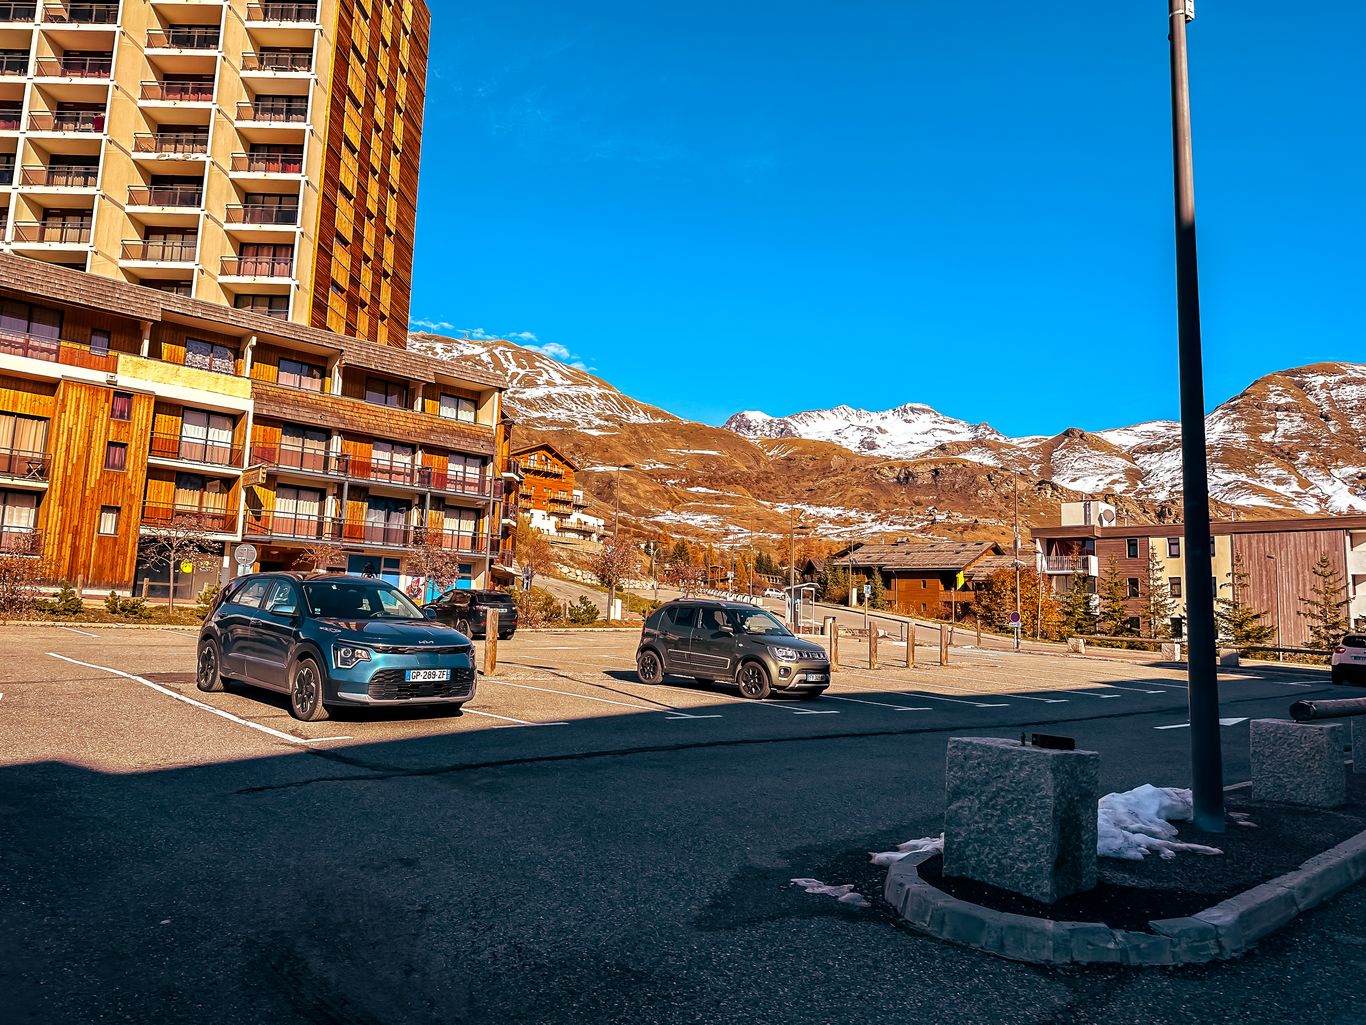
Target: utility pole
{"x": 1207, "y": 769}
{"x": 1019, "y": 626}
{"x": 616, "y": 523}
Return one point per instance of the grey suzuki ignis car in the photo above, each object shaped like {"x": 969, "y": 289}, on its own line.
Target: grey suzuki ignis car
{"x": 729, "y": 642}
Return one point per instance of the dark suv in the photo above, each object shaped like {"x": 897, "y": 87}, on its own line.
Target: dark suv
{"x": 468, "y": 612}
{"x": 729, "y": 642}
{"x": 331, "y": 639}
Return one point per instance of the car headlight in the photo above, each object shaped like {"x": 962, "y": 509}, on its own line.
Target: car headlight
{"x": 786, "y": 654}
{"x": 346, "y": 656}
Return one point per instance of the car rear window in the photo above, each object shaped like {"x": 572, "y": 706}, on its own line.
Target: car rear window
{"x": 683, "y": 616}
{"x": 1358, "y": 641}
{"x": 497, "y": 598}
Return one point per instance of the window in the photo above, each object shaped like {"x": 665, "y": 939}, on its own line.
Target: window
{"x": 1134, "y": 624}
{"x": 304, "y": 448}
{"x": 20, "y": 437}
{"x": 121, "y": 406}
{"x": 386, "y": 393}
{"x": 296, "y": 374}
{"x": 116, "y": 456}
{"x": 283, "y": 594}
{"x": 206, "y": 437}
{"x": 298, "y": 512}
{"x": 210, "y": 356}
{"x": 1174, "y": 583}
{"x": 924, "y": 583}
{"x": 18, "y": 517}
{"x": 684, "y": 617}
{"x": 109, "y": 520}
{"x": 1133, "y": 587}
{"x": 21, "y": 319}
{"x": 1131, "y": 548}
{"x": 391, "y": 460}
{"x": 457, "y": 407}
{"x": 1173, "y": 548}
{"x": 271, "y": 305}
{"x": 252, "y": 594}
{"x": 99, "y": 343}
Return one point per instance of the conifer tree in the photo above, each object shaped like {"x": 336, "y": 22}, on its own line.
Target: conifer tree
{"x": 1238, "y": 622}
{"x": 1323, "y": 608}
{"x": 1114, "y": 602}
{"x": 1158, "y": 603}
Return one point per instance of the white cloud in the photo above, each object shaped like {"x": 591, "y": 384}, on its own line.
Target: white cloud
{"x": 525, "y": 339}
{"x": 430, "y": 325}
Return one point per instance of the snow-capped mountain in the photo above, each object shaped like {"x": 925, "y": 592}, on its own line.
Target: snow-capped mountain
{"x": 901, "y": 433}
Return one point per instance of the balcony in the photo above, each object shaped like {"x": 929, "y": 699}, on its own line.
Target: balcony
{"x": 55, "y": 350}
{"x": 103, "y": 14}
{"x": 180, "y": 144}
{"x": 11, "y": 119}
{"x": 276, "y": 62}
{"x": 12, "y": 13}
{"x": 283, "y": 13}
{"x": 59, "y": 176}
{"x": 13, "y": 65}
{"x": 89, "y": 121}
{"x": 400, "y": 472}
{"x": 1067, "y": 565}
{"x": 253, "y": 165}
{"x": 16, "y": 540}
{"x": 189, "y": 518}
{"x": 183, "y": 37}
{"x": 262, "y": 214}
{"x": 52, "y": 233}
{"x": 181, "y": 251}
{"x": 174, "y": 197}
{"x": 270, "y": 525}
{"x": 277, "y": 268}
{"x": 73, "y": 67}
{"x": 204, "y": 451}
{"x": 273, "y": 112}
{"x": 22, "y": 466}
{"x": 176, "y": 92}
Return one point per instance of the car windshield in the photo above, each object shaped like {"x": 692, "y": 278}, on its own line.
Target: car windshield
{"x": 357, "y": 599}
{"x": 756, "y": 621}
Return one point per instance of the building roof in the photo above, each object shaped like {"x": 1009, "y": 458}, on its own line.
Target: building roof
{"x": 917, "y": 556}
{"x": 546, "y": 447}
{"x": 77, "y": 288}
{"x": 990, "y": 564}
{"x": 1291, "y": 525}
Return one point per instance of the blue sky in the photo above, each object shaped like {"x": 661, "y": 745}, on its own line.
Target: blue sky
{"x": 722, "y": 206}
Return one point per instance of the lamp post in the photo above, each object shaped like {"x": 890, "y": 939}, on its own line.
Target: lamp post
{"x": 1207, "y": 769}
{"x": 616, "y": 523}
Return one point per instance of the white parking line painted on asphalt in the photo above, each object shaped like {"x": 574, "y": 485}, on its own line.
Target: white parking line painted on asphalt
{"x": 1186, "y": 726}
{"x": 1135, "y": 690}
{"x": 83, "y": 633}
{"x": 1046, "y": 701}
{"x": 197, "y": 704}
{"x": 668, "y": 711}
{"x": 880, "y": 704}
{"x": 505, "y": 718}
{"x": 1089, "y": 694}
{"x": 922, "y": 696}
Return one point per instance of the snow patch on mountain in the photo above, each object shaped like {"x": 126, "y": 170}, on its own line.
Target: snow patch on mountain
{"x": 900, "y": 433}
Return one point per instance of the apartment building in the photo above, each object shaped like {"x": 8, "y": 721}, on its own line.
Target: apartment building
{"x": 260, "y": 155}
{"x": 127, "y": 411}
{"x": 546, "y": 494}
{"x": 1277, "y": 555}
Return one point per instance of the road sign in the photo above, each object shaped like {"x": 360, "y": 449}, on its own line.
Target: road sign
{"x": 187, "y": 566}
{"x": 528, "y": 574}
{"x": 1015, "y": 619}
{"x": 867, "y": 590}
{"x": 244, "y": 554}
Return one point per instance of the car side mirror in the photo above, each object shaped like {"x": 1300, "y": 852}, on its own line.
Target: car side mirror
{"x": 430, "y": 611}
{"x": 287, "y": 609}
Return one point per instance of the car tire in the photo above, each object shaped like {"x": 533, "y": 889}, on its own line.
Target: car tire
{"x": 208, "y": 675}
{"x": 753, "y": 680}
{"x": 463, "y": 626}
{"x": 306, "y": 691}
{"x": 649, "y": 668}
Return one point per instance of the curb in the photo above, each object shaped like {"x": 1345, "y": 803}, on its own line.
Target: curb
{"x": 101, "y": 626}
{"x": 1228, "y": 929}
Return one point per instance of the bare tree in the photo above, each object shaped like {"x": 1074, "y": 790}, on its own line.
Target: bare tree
{"x": 688, "y": 579}
{"x": 321, "y": 553}
{"x": 21, "y": 571}
{"x": 532, "y": 548}
{"x": 433, "y": 561}
{"x": 615, "y": 562}
{"x": 185, "y": 537}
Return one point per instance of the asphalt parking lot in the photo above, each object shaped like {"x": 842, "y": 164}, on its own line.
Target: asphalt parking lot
{"x": 576, "y": 848}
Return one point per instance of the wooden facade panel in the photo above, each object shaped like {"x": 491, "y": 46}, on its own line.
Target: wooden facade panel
{"x": 23, "y": 397}
{"x": 1289, "y": 575}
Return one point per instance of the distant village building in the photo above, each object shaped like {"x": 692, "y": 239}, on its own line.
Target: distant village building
{"x": 1278, "y": 557}
{"x": 929, "y": 578}
{"x": 548, "y": 496}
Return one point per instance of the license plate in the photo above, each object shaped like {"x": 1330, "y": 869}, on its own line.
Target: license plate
{"x": 427, "y": 675}
{"x": 816, "y": 677}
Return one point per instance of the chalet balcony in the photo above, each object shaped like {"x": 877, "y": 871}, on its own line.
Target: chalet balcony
{"x": 268, "y": 525}
{"x": 401, "y": 472}
{"x": 269, "y": 111}
{"x": 189, "y": 517}
{"x": 13, "y": 64}
{"x": 10, "y": 120}
{"x": 181, "y": 251}
{"x": 176, "y": 92}
{"x": 1067, "y": 565}
{"x": 52, "y": 232}
{"x": 257, "y": 267}
{"x": 55, "y": 350}
{"x": 267, "y": 163}
{"x": 17, "y": 540}
{"x": 60, "y": 176}
{"x": 73, "y": 67}
{"x": 205, "y": 451}
{"x": 81, "y": 14}
{"x": 24, "y": 466}
{"x": 264, "y": 214}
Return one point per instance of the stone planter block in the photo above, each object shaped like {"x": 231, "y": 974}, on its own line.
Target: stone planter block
{"x": 1298, "y": 762}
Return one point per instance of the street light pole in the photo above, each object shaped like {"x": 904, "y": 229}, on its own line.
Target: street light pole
{"x": 1276, "y": 597}
{"x": 616, "y": 523}
{"x": 1019, "y": 624}
{"x": 1207, "y": 770}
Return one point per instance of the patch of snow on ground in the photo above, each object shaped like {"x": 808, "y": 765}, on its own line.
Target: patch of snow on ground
{"x": 925, "y": 843}
{"x": 1131, "y": 824}
{"x": 695, "y": 451}
{"x": 844, "y": 893}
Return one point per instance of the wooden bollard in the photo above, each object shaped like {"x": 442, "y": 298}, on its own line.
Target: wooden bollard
{"x": 910, "y": 645}
{"x": 491, "y": 644}
{"x": 943, "y": 644}
{"x": 872, "y": 647}
{"x": 834, "y": 643}
{"x": 979, "y": 633}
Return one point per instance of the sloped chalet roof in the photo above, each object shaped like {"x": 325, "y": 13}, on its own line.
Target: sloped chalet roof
{"x": 918, "y": 556}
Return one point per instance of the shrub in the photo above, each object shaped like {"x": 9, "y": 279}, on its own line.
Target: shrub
{"x": 18, "y": 577}
{"x": 67, "y": 603}
{"x": 583, "y": 612}
{"x": 128, "y": 608}
{"x": 537, "y": 607}
{"x": 204, "y": 600}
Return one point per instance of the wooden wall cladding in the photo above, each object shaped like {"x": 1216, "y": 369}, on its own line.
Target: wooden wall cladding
{"x": 1290, "y": 573}
{"x": 27, "y": 398}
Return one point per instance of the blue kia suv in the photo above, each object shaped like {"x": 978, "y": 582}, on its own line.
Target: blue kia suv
{"x": 330, "y": 639}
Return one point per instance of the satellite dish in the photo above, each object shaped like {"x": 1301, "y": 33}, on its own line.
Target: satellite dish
{"x": 1107, "y": 516}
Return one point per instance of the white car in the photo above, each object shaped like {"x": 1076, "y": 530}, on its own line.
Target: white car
{"x": 773, "y": 592}
{"x": 1349, "y": 660}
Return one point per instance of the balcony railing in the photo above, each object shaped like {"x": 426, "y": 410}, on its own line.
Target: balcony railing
{"x": 390, "y": 471}
{"x": 68, "y": 121}
{"x": 1068, "y": 564}
{"x": 55, "y": 350}
{"x": 195, "y": 450}
{"x": 268, "y": 163}
{"x": 74, "y": 67}
{"x": 170, "y": 142}
{"x": 268, "y": 60}
{"x": 61, "y": 176}
{"x": 178, "y": 196}
{"x": 15, "y": 540}
{"x": 10, "y": 120}
{"x": 183, "y": 37}
{"x": 58, "y": 232}
{"x": 6, "y": 173}
{"x": 161, "y": 250}
{"x": 18, "y": 12}
{"x": 262, "y": 213}
{"x": 288, "y": 12}
{"x": 273, "y": 113}
{"x": 81, "y": 14}
{"x": 313, "y": 528}
{"x": 13, "y": 63}
{"x": 177, "y": 92}
{"x": 23, "y": 465}
{"x": 189, "y": 517}
{"x": 257, "y": 266}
